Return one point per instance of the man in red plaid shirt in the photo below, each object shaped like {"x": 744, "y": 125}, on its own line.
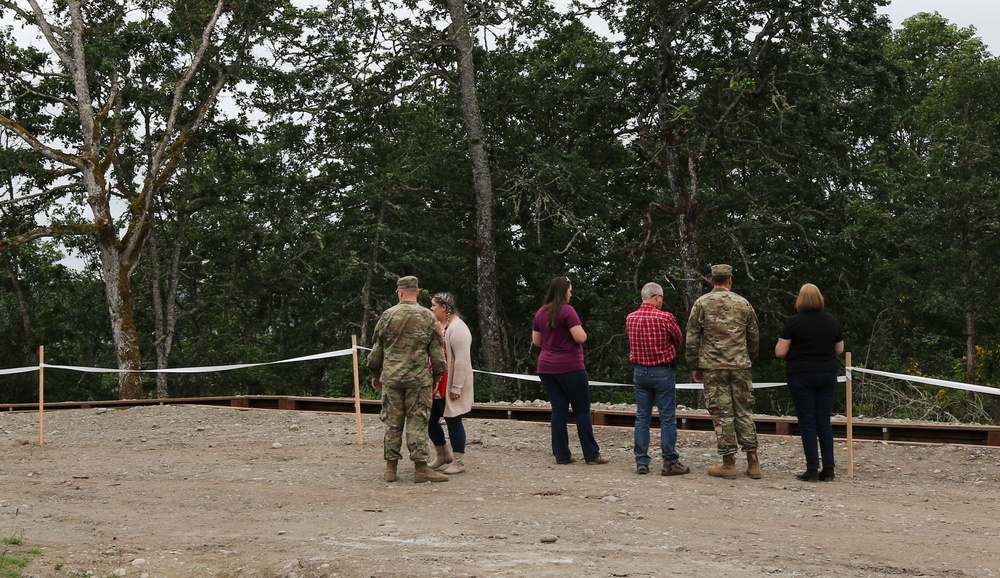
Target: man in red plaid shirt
{"x": 653, "y": 337}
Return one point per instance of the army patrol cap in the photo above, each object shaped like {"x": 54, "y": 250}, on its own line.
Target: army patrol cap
{"x": 408, "y": 282}
{"x": 722, "y": 270}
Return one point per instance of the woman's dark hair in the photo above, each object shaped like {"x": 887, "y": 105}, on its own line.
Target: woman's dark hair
{"x": 555, "y": 298}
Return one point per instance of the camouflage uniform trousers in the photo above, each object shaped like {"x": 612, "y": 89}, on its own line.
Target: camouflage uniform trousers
{"x": 409, "y": 409}
{"x": 729, "y": 393}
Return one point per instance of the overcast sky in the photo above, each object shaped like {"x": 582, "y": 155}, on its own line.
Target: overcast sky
{"x": 984, "y": 15}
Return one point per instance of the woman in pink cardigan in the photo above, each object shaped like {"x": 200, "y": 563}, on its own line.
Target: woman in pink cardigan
{"x": 453, "y": 395}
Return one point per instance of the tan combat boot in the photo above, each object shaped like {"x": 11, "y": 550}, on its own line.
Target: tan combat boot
{"x": 422, "y": 473}
{"x": 726, "y": 470}
{"x": 753, "y": 465}
{"x": 390, "y": 471}
{"x": 443, "y": 457}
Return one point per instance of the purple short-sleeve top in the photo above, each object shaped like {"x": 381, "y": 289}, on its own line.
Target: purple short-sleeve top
{"x": 560, "y": 353}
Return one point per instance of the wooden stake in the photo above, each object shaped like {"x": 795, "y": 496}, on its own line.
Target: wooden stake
{"x": 41, "y": 394}
{"x": 357, "y": 387}
{"x": 850, "y": 422}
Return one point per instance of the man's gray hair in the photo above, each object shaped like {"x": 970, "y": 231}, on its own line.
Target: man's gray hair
{"x": 650, "y": 290}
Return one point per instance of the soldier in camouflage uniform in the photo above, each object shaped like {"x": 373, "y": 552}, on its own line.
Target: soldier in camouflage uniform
{"x": 722, "y": 339}
{"x": 406, "y": 360}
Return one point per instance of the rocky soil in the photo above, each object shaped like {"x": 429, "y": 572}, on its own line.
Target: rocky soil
{"x": 170, "y": 491}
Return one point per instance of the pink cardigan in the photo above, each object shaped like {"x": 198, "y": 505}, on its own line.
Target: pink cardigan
{"x": 458, "y": 341}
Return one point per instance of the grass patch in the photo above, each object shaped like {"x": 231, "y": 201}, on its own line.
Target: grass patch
{"x": 12, "y": 563}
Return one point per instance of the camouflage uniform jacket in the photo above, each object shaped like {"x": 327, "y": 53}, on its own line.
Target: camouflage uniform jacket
{"x": 722, "y": 332}
{"x": 407, "y": 347}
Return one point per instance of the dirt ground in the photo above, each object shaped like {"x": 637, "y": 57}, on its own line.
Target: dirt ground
{"x": 177, "y": 491}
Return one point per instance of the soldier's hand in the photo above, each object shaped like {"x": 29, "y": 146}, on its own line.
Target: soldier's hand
{"x": 377, "y": 383}
{"x": 696, "y": 375}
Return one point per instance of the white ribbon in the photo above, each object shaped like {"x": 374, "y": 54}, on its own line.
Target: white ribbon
{"x": 520, "y": 376}
{"x": 694, "y": 386}
{"x": 14, "y": 370}
{"x": 931, "y": 381}
{"x": 201, "y": 369}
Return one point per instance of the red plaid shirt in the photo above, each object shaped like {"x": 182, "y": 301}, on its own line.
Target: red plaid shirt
{"x": 652, "y": 336}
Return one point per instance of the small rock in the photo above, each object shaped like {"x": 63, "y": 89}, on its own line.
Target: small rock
{"x": 548, "y": 538}
{"x": 276, "y": 445}
{"x": 138, "y": 562}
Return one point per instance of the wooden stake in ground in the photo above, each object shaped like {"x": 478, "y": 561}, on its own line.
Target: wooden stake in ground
{"x": 41, "y": 394}
{"x": 357, "y": 386}
{"x": 850, "y": 422}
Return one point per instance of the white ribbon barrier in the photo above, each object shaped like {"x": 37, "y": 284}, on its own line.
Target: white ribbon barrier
{"x": 929, "y": 380}
{"x": 520, "y": 376}
{"x": 202, "y": 369}
{"x": 696, "y": 386}
{"x": 14, "y": 370}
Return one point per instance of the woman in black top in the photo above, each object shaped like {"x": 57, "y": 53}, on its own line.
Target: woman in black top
{"x": 810, "y": 343}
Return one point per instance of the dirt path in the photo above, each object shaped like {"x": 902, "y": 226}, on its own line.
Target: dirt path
{"x": 199, "y": 492}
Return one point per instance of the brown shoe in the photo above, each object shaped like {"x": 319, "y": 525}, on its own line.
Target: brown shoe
{"x": 726, "y": 470}
{"x": 674, "y": 469}
{"x": 422, "y": 473}
{"x": 753, "y": 465}
{"x": 457, "y": 466}
{"x": 390, "y": 471}
{"x": 442, "y": 459}
{"x": 598, "y": 461}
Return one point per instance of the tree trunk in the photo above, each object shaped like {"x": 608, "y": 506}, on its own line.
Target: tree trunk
{"x": 486, "y": 274}
{"x": 686, "y": 201}
{"x": 24, "y": 306}
{"x": 118, "y": 287}
{"x": 366, "y": 291}
{"x": 165, "y": 303}
{"x": 970, "y": 347}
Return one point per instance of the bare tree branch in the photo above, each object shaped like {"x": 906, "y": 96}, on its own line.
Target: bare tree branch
{"x": 49, "y": 231}
{"x": 53, "y": 192}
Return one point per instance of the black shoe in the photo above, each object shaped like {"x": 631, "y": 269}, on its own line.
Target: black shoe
{"x": 810, "y": 475}
{"x": 827, "y": 475}
{"x": 569, "y": 461}
{"x": 642, "y": 469}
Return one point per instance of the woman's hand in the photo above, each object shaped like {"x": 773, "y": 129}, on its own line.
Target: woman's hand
{"x": 781, "y": 348}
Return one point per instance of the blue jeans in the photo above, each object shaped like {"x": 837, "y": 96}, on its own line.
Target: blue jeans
{"x": 655, "y": 383}
{"x": 565, "y": 390}
{"x": 812, "y": 392}
{"x": 456, "y": 430}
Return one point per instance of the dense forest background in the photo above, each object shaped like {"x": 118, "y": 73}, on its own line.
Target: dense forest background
{"x": 245, "y": 181}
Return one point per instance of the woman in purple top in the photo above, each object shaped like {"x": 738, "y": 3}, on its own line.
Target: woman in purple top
{"x": 558, "y": 331}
